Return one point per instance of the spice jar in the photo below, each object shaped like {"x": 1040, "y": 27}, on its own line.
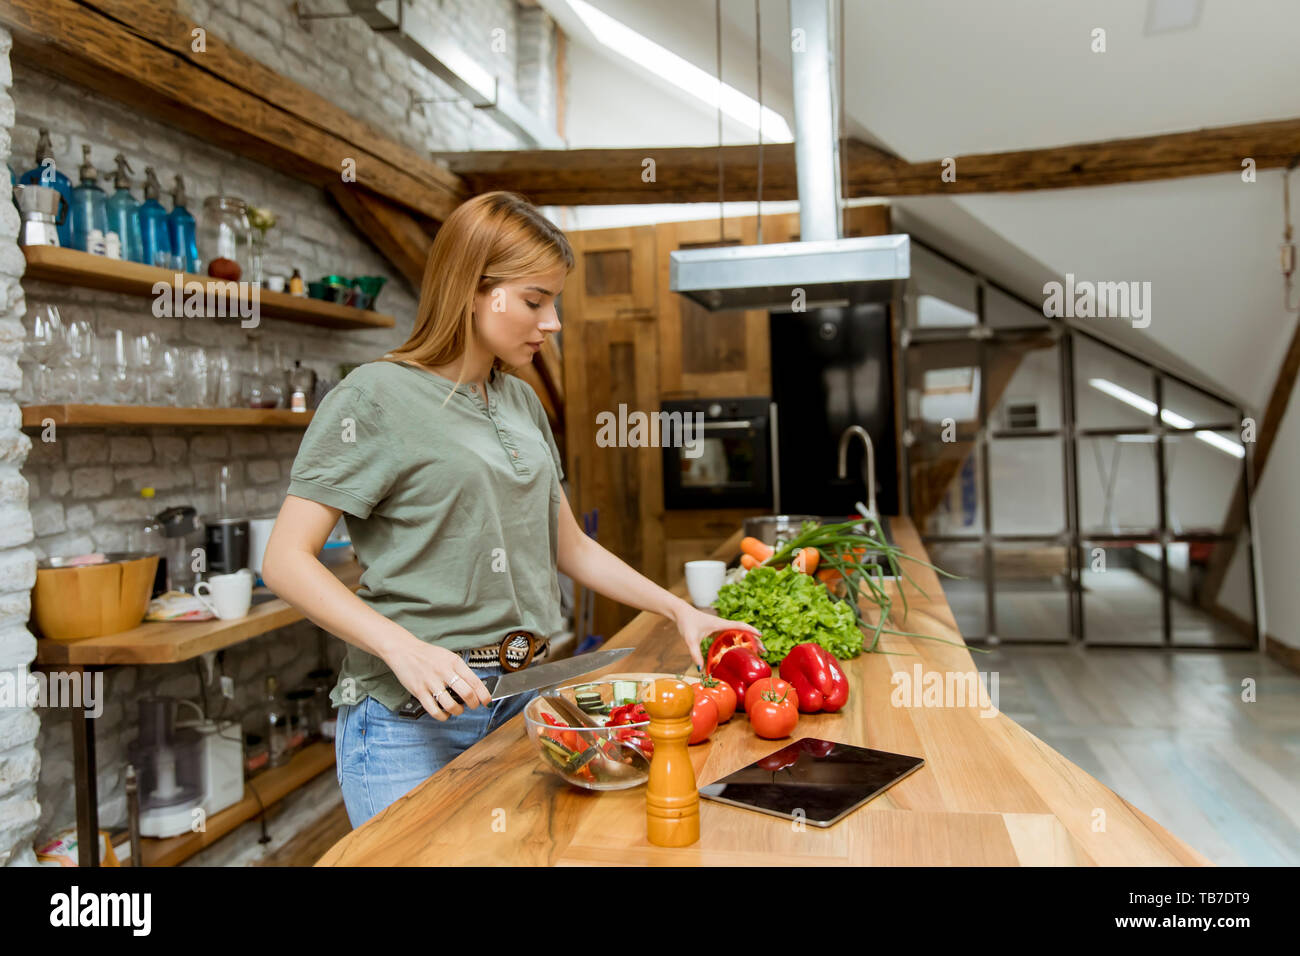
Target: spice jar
{"x": 303, "y": 722}
{"x": 256, "y": 757}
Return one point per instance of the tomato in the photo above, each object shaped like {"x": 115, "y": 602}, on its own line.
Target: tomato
{"x": 772, "y": 683}
{"x": 774, "y": 719}
{"x": 723, "y": 694}
{"x": 704, "y": 718}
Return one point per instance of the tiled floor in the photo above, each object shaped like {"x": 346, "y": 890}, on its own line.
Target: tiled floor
{"x": 1170, "y": 732}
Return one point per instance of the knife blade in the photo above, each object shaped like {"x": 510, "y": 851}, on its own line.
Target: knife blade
{"x": 531, "y": 678}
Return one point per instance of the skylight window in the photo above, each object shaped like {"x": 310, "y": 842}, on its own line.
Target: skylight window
{"x": 682, "y": 74}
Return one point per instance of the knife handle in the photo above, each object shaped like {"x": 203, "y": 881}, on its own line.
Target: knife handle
{"x": 414, "y": 710}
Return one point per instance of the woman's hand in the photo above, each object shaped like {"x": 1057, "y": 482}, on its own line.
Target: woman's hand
{"x": 695, "y": 625}
{"x": 428, "y": 671}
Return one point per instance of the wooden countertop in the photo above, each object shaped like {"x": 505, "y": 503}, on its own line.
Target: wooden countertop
{"x": 990, "y": 792}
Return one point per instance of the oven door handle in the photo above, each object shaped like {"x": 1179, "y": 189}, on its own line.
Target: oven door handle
{"x": 735, "y": 423}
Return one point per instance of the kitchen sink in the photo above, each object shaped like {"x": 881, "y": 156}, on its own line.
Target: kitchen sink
{"x": 885, "y": 526}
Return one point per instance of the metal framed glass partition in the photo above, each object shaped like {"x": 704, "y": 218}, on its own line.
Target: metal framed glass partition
{"x": 1082, "y": 494}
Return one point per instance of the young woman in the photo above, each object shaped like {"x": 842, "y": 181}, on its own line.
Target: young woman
{"x": 449, "y": 478}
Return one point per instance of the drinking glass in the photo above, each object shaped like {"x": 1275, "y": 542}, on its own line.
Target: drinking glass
{"x": 61, "y": 381}
{"x": 30, "y": 368}
{"x": 82, "y": 350}
{"x": 198, "y": 388}
{"x": 228, "y": 376}
{"x": 145, "y": 358}
{"x": 258, "y": 388}
{"x": 168, "y": 376}
{"x": 44, "y": 342}
{"x": 118, "y": 373}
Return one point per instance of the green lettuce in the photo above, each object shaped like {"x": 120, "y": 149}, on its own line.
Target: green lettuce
{"x": 789, "y": 608}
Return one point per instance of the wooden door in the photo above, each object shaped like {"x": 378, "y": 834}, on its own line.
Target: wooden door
{"x": 611, "y": 359}
{"x": 614, "y": 276}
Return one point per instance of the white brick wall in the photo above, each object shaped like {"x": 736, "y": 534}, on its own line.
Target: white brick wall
{"x": 80, "y": 492}
{"x": 19, "y": 758}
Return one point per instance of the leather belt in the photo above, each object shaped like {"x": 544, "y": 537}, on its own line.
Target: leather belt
{"x": 515, "y": 652}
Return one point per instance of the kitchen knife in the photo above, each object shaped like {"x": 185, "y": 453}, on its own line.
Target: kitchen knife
{"x": 530, "y": 678}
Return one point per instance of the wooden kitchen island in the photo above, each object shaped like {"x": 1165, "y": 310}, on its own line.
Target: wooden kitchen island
{"x": 990, "y": 793}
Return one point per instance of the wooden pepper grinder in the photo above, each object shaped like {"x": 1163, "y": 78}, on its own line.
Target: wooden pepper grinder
{"x": 672, "y": 801}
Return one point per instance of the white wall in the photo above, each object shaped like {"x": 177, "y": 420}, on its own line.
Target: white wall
{"x": 1278, "y": 519}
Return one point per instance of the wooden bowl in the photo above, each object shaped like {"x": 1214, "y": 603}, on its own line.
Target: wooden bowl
{"x": 74, "y": 603}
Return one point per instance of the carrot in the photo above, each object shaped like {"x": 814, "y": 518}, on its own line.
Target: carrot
{"x": 759, "y": 550}
{"x": 748, "y": 562}
{"x": 806, "y": 559}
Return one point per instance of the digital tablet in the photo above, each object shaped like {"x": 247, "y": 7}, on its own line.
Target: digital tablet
{"x": 817, "y": 781}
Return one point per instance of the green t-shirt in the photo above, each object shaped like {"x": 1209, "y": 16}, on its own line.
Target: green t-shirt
{"x": 453, "y": 509}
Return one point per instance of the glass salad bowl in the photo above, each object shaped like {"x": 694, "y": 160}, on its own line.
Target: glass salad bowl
{"x": 587, "y": 735}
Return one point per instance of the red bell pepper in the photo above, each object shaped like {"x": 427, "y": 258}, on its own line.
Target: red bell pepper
{"x": 733, "y": 637}
{"x": 740, "y": 667}
{"x": 817, "y": 678}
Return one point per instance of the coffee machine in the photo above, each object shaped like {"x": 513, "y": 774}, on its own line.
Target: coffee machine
{"x": 43, "y": 211}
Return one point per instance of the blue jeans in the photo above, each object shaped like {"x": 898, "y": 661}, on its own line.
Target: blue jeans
{"x": 380, "y": 757}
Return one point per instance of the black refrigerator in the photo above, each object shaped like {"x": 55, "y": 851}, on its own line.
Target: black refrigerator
{"x": 833, "y": 368}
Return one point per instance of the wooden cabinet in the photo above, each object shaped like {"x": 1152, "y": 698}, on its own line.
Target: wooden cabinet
{"x": 708, "y": 354}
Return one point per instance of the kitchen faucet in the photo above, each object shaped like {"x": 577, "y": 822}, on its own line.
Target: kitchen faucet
{"x": 870, "y": 467}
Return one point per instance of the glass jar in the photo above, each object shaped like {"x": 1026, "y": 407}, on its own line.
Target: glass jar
{"x": 302, "y": 717}
{"x": 260, "y": 385}
{"x": 256, "y": 757}
{"x": 224, "y": 233}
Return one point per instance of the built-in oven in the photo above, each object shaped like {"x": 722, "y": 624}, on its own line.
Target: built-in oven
{"x": 718, "y": 453}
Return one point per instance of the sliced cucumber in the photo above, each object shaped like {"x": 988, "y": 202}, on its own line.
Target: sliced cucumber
{"x": 625, "y": 691}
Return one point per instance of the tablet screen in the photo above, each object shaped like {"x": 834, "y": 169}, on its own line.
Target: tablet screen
{"x": 819, "y": 781}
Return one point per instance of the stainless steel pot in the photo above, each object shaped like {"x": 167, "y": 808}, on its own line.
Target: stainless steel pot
{"x": 776, "y": 530}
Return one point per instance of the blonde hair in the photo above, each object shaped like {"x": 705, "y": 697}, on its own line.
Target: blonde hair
{"x": 494, "y": 237}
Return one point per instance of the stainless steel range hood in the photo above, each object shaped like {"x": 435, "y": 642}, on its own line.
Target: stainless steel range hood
{"x": 829, "y": 270}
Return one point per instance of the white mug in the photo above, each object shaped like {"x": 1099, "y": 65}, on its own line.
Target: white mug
{"x": 703, "y": 579}
{"x": 229, "y": 595}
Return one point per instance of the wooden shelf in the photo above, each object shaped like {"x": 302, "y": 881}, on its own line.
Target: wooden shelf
{"x": 109, "y": 415}
{"x": 264, "y": 790}
{"x": 170, "y": 642}
{"x": 73, "y": 267}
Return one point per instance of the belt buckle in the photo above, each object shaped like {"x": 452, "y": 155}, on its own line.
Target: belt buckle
{"x": 517, "y": 650}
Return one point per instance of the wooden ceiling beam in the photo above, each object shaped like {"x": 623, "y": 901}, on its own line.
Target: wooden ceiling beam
{"x": 139, "y": 54}
{"x": 398, "y": 236}
{"x": 579, "y": 177}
